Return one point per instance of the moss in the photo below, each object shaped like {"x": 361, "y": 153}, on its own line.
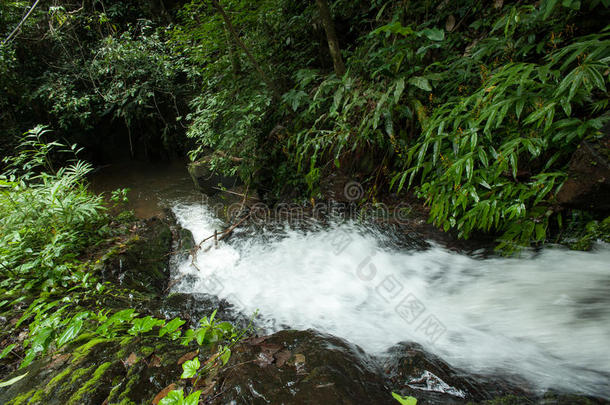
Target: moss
{"x": 120, "y": 391}
{"x": 99, "y": 372}
{"x": 83, "y": 350}
{"x": 132, "y": 381}
{"x": 79, "y": 373}
{"x": 127, "y": 402}
{"x": 21, "y": 399}
{"x": 147, "y": 351}
{"x": 126, "y": 340}
{"x": 57, "y": 379}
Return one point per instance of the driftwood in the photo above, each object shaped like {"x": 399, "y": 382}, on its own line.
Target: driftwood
{"x": 223, "y": 235}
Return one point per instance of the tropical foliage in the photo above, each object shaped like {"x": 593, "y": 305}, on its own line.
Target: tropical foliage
{"x": 476, "y": 107}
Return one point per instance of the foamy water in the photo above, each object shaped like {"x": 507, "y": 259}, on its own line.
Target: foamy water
{"x": 545, "y": 318}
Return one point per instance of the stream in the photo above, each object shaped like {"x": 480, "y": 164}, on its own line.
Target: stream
{"x": 543, "y": 317}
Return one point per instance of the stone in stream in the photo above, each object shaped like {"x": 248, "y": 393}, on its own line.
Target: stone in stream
{"x": 301, "y": 367}
{"x": 411, "y": 371}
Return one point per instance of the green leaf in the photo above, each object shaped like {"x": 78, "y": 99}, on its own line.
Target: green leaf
{"x": 171, "y": 326}
{"x": 12, "y": 381}
{"x": 200, "y": 335}
{"x": 400, "y": 86}
{"x": 189, "y": 368}
{"x": 421, "y": 82}
{"x": 122, "y": 316}
{"x": 433, "y": 34}
{"x": 143, "y": 325}
{"x": 226, "y": 354}
{"x": 192, "y": 399}
{"x": 70, "y": 333}
{"x": 404, "y": 400}
{"x": 175, "y": 397}
{"x": 7, "y": 350}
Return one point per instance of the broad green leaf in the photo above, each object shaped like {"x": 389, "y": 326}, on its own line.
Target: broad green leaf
{"x": 192, "y": 399}
{"x": 122, "y": 316}
{"x": 433, "y": 34}
{"x": 171, "y": 326}
{"x": 175, "y": 397}
{"x": 420, "y": 82}
{"x": 70, "y": 333}
{"x": 143, "y": 325}
{"x": 400, "y": 86}
{"x": 189, "y": 368}
{"x": 200, "y": 335}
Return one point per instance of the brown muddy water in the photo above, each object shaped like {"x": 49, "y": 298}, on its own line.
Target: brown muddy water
{"x": 152, "y": 186}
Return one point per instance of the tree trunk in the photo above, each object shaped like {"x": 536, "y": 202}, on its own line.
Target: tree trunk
{"x": 233, "y": 55}
{"x": 240, "y": 43}
{"x": 331, "y": 36}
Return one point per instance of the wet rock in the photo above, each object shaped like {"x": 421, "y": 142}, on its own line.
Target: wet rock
{"x": 193, "y": 307}
{"x": 206, "y": 180}
{"x": 141, "y": 262}
{"x": 412, "y": 371}
{"x": 588, "y": 183}
{"x": 300, "y": 367}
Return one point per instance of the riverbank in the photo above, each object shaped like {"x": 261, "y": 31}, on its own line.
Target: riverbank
{"x": 287, "y": 366}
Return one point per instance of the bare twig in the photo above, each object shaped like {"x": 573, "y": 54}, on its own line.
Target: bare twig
{"x": 21, "y": 22}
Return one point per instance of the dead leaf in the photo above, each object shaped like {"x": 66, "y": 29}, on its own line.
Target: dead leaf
{"x": 450, "y": 24}
{"x": 155, "y": 361}
{"x": 58, "y": 359}
{"x": 498, "y": 3}
{"x": 299, "y": 363}
{"x": 212, "y": 358}
{"x": 131, "y": 360}
{"x": 282, "y": 357}
{"x": 187, "y": 357}
{"x": 163, "y": 393}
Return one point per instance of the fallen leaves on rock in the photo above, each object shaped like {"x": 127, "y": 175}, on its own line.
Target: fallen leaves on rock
{"x": 187, "y": 357}
{"x": 282, "y": 357}
{"x": 131, "y": 360}
{"x": 58, "y": 360}
{"x": 163, "y": 393}
{"x": 155, "y": 361}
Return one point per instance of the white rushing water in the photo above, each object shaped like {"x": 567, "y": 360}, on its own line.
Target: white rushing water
{"x": 545, "y": 318}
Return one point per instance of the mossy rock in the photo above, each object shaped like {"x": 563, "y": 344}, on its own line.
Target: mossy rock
{"x": 103, "y": 372}
{"x": 141, "y": 263}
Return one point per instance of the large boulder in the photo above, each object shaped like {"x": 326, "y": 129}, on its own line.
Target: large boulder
{"x": 300, "y": 367}
{"x": 412, "y": 371}
{"x": 588, "y": 183}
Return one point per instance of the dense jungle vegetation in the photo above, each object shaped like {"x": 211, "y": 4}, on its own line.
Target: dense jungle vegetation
{"x": 474, "y": 106}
